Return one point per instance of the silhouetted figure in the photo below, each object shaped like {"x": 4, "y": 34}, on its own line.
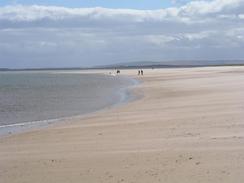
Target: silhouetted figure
{"x": 142, "y": 72}
{"x": 139, "y": 72}
{"x": 118, "y": 71}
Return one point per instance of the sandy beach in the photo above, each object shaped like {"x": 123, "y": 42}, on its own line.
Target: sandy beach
{"x": 187, "y": 126}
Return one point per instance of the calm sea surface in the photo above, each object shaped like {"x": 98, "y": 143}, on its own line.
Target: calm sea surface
{"x": 37, "y": 96}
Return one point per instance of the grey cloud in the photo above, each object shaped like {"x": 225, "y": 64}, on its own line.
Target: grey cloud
{"x": 43, "y": 36}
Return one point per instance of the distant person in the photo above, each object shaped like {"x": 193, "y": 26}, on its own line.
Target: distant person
{"x": 118, "y": 71}
{"x": 142, "y": 72}
{"x": 139, "y": 72}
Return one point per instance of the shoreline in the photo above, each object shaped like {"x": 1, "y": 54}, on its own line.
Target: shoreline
{"x": 125, "y": 96}
{"x": 187, "y": 127}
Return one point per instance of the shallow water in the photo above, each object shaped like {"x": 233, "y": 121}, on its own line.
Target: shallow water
{"x": 37, "y": 96}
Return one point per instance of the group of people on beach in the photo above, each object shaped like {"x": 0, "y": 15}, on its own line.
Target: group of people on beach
{"x": 140, "y": 72}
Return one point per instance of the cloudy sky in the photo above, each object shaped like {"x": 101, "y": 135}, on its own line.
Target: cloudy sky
{"x": 79, "y": 33}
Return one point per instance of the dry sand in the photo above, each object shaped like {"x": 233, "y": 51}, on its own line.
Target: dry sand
{"x": 188, "y": 127}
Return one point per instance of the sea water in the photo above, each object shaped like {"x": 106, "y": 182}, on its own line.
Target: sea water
{"x": 28, "y": 97}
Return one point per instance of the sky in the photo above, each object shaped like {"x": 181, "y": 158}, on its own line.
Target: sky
{"x": 75, "y": 33}
{"x": 131, "y": 4}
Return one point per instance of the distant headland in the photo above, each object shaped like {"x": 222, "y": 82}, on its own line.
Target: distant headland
{"x": 143, "y": 64}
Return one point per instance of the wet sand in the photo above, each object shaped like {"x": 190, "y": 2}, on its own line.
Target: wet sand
{"x": 186, "y": 127}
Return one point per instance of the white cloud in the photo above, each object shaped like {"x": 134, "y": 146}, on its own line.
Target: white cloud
{"x": 209, "y": 7}
{"x": 86, "y": 36}
{"x": 194, "y": 8}
{"x": 241, "y": 16}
